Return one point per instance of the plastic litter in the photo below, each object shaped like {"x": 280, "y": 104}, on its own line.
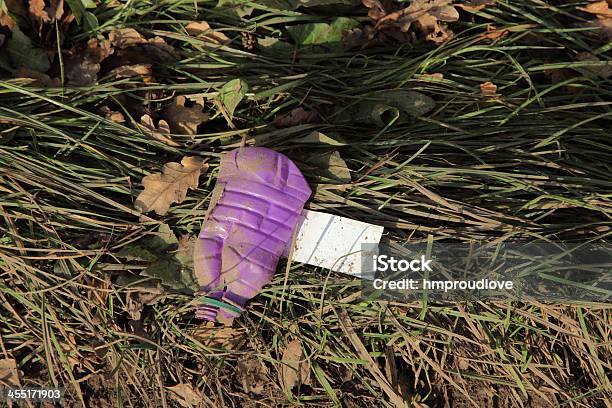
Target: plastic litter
{"x": 257, "y": 202}
{"x": 332, "y": 242}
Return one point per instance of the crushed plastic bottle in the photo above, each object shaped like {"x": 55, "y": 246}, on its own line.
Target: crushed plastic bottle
{"x": 260, "y": 195}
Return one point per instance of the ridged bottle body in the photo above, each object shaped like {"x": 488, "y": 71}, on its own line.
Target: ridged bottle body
{"x": 262, "y": 195}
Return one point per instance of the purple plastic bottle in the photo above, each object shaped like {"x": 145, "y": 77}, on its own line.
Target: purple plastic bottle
{"x": 246, "y": 232}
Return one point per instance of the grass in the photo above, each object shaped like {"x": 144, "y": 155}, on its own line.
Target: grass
{"x": 533, "y": 162}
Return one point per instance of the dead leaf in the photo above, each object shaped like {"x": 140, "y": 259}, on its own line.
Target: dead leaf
{"x": 201, "y": 29}
{"x": 6, "y": 20}
{"x": 475, "y": 5}
{"x": 98, "y": 50}
{"x": 248, "y": 40}
{"x": 126, "y": 37}
{"x": 493, "y": 33}
{"x": 394, "y": 22}
{"x": 376, "y": 9}
{"x": 431, "y": 30}
{"x": 186, "y": 395}
{"x": 372, "y": 36}
{"x": 17, "y": 8}
{"x": 295, "y": 369}
{"x": 197, "y": 98}
{"x": 447, "y": 13}
{"x": 160, "y": 132}
{"x": 9, "y": 375}
{"x": 434, "y": 77}
{"x": 603, "y": 22}
{"x": 82, "y": 68}
{"x": 252, "y": 373}
{"x": 141, "y": 296}
{"x": 488, "y": 90}
{"x": 170, "y": 186}
{"x": 182, "y": 119}
{"x": 161, "y": 50}
{"x": 600, "y": 8}
{"x": 297, "y": 116}
{"x": 428, "y": 25}
{"x": 134, "y": 108}
{"x": 368, "y": 37}
{"x": 603, "y": 69}
{"x": 227, "y": 337}
{"x": 332, "y": 166}
{"x": 462, "y": 363}
{"x": 40, "y": 79}
{"x": 47, "y": 14}
{"x": 319, "y": 138}
{"x": 439, "y": 9}
{"x": 144, "y": 71}
{"x": 338, "y": 168}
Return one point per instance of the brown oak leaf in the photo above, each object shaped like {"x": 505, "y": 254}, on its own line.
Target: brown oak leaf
{"x": 160, "y": 132}
{"x": 156, "y": 47}
{"x": 394, "y": 22}
{"x": 6, "y": 20}
{"x": 126, "y": 37}
{"x": 44, "y": 14}
{"x": 600, "y": 8}
{"x": 183, "y": 119}
{"x": 431, "y": 30}
{"x": 440, "y": 9}
{"x": 202, "y": 29}
{"x": 368, "y": 37}
{"x": 170, "y": 186}
{"x": 488, "y": 90}
{"x": 109, "y": 114}
{"x": 135, "y": 56}
{"x": 82, "y": 68}
{"x": 376, "y": 9}
{"x": 603, "y": 20}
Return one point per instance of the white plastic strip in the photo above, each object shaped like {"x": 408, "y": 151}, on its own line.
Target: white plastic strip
{"x": 333, "y": 242}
